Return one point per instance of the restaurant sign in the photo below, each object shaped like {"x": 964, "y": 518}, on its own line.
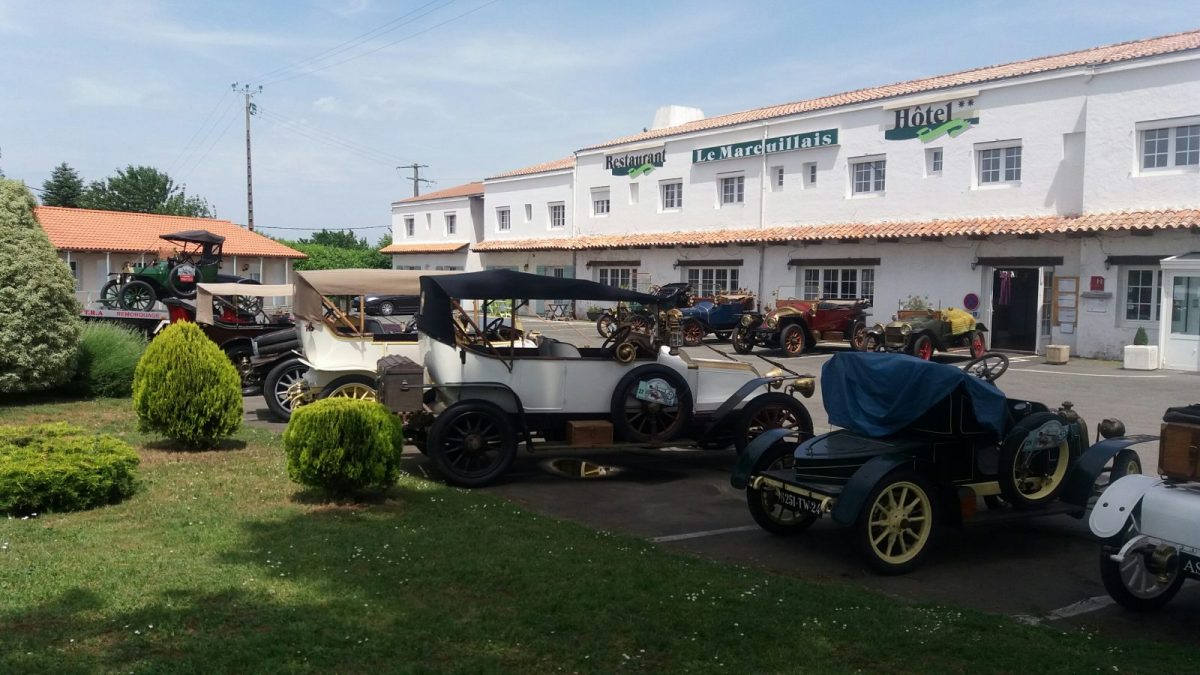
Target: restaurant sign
{"x": 770, "y": 146}
{"x": 932, "y": 122}
{"x": 637, "y": 163}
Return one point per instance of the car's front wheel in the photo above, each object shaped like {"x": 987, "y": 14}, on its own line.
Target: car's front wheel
{"x": 693, "y": 333}
{"x": 1146, "y": 580}
{"x": 765, "y": 506}
{"x": 1031, "y": 475}
{"x": 899, "y": 524}
{"x": 922, "y": 347}
{"x": 277, "y": 385}
{"x": 386, "y": 308}
{"x": 651, "y": 404}
{"x": 792, "y": 339}
{"x": 472, "y": 443}
{"x": 138, "y": 296}
{"x": 356, "y": 386}
{"x": 743, "y": 341}
{"x": 858, "y": 336}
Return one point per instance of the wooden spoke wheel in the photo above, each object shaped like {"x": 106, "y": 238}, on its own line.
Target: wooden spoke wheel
{"x": 137, "y": 295}
{"x": 899, "y": 523}
{"x": 472, "y": 443}
{"x": 606, "y": 325}
{"x": 693, "y": 333}
{"x": 642, "y": 406}
{"x": 640, "y": 324}
{"x": 1032, "y": 476}
{"x": 743, "y": 341}
{"x": 350, "y": 386}
{"x": 792, "y": 339}
{"x": 922, "y": 347}
{"x": 765, "y": 506}
{"x": 773, "y": 410}
{"x": 976, "y": 343}
{"x": 858, "y": 336}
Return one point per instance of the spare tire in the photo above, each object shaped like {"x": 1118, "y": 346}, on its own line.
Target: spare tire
{"x": 1032, "y": 470}
{"x": 651, "y": 404}
{"x": 182, "y": 280}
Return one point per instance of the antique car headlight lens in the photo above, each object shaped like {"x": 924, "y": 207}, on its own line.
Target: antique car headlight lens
{"x": 772, "y": 321}
{"x": 1112, "y": 428}
{"x": 806, "y": 386}
{"x": 775, "y": 373}
{"x": 747, "y": 319}
{"x": 906, "y": 329}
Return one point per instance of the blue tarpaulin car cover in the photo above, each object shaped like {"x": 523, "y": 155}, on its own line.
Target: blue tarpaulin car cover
{"x": 878, "y": 394}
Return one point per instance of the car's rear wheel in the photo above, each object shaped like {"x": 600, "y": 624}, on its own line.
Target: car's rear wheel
{"x": 640, "y": 324}
{"x": 772, "y": 410}
{"x": 693, "y": 333}
{"x": 922, "y": 347}
{"x": 356, "y": 386}
{"x": 976, "y": 342}
{"x": 1031, "y": 477}
{"x": 743, "y": 341}
{"x": 765, "y": 506}
{"x": 899, "y": 524}
{"x": 277, "y": 383}
{"x": 386, "y": 308}
{"x": 606, "y": 325}
{"x": 792, "y": 339}
{"x": 651, "y": 404}
{"x": 1146, "y": 580}
{"x": 472, "y": 443}
{"x": 110, "y": 294}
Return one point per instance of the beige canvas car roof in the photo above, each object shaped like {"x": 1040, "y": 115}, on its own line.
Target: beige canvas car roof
{"x": 205, "y": 293}
{"x": 312, "y": 285}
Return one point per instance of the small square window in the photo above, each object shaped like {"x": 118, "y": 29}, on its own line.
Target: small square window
{"x": 1000, "y": 165}
{"x": 600, "y": 202}
{"x": 672, "y": 195}
{"x": 777, "y": 175}
{"x": 733, "y": 190}
{"x": 869, "y": 176}
{"x": 810, "y": 173}
{"x": 529, "y": 213}
{"x": 503, "y": 223}
{"x": 409, "y": 226}
{"x": 1187, "y": 145}
{"x": 451, "y": 223}
{"x": 558, "y": 216}
{"x": 633, "y": 193}
{"x": 933, "y": 162}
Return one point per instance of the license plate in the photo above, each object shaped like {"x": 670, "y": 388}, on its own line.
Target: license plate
{"x": 800, "y": 502}
{"x": 186, "y": 278}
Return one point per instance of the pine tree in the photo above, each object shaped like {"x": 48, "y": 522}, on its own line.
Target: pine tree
{"x": 63, "y": 188}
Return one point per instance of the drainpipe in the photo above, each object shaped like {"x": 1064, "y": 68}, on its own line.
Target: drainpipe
{"x": 762, "y": 216}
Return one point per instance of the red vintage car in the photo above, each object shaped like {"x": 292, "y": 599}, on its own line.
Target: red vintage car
{"x": 796, "y": 325}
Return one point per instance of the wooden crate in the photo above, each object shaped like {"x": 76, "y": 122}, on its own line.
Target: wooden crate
{"x": 1179, "y": 451}
{"x": 589, "y": 432}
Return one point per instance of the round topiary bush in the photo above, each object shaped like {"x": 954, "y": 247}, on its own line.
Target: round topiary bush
{"x": 56, "y": 467}
{"x": 108, "y": 356}
{"x": 186, "y": 389}
{"x": 39, "y": 317}
{"x": 343, "y": 445}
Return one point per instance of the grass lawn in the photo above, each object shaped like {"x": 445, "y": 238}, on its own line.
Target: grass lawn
{"x": 220, "y": 564}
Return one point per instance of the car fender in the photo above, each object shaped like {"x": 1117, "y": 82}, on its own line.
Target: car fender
{"x": 981, "y": 328}
{"x": 1114, "y": 507}
{"x": 740, "y": 477}
{"x": 1082, "y": 476}
{"x": 854, "y": 495}
{"x": 737, "y": 397}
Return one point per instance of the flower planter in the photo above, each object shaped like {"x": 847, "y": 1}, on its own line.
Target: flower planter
{"x": 593, "y": 315}
{"x": 1141, "y": 357}
{"x": 1057, "y": 355}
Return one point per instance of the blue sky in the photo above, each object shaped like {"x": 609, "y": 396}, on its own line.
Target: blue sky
{"x": 469, "y": 87}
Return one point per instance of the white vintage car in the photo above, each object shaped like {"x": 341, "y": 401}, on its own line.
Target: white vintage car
{"x": 483, "y": 397}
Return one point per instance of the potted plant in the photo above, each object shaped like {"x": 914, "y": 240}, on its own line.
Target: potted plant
{"x": 594, "y": 312}
{"x": 1141, "y": 355}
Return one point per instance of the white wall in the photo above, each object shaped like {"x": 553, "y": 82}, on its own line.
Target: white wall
{"x": 429, "y": 221}
{"x": 431, "y": 261}
{"x": 538, "y": 191}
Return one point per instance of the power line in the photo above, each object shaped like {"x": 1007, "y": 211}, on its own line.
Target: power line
{"x": 200, "y": 159}
{"x": 384, "y": 46}
{"x": 332, "y": 138}
{"x": 353, "y": 42}
{"x": 203, "y": 125}
{"x": 316, "y": 135}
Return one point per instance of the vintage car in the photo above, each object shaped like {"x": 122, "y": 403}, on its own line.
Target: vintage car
{"x": 340, "y": 344}
{"x": 641, "y": 318}
{"x": 921, "y": 331}
{"x": 197, "y": 260}
{"x": 720, "y": 315}
{"x": 795, "y": 325}
{"x": 387, "y": 305}
{"x": 920, "y": 444}
{"x": 484, "y": 398}
{"x": 1150, "y": 525}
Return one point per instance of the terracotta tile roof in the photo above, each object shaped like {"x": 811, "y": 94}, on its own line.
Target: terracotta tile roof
{"x": 956, "y": 227}
{"x": 1125, "y": 51}
{"x": 556, "y": 165}
{"x": 465, "y": 190}
{"x": 427, "y": 247}
{"x": 125, "y": 232}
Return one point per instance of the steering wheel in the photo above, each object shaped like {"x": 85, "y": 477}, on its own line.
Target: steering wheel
{"x": 614, "y": 340}
{"x": 988, "y": 367}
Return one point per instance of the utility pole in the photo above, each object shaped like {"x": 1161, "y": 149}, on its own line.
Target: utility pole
{"x": 249, "y": 93}
{"x": 416, "y": 177}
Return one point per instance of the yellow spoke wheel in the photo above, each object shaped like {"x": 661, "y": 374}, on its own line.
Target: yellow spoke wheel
{"x": 358, "y": 391}
{"x": 898, "y": 522}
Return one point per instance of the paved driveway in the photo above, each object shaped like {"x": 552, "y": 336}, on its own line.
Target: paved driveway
{"x": 1042, "y": 569}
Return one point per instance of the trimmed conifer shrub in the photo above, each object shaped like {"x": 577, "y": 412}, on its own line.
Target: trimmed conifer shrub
{"x": 39, "y": 317}
{"x": 108, "y": 356}
{"x": 343, "y": 445}
{"x": 57, "y": 467}
{"x": 186, "y": 389}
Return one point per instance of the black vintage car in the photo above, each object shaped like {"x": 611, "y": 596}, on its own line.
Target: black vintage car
{"x": 387, "y": 305}
{"x": 920, "y": 444}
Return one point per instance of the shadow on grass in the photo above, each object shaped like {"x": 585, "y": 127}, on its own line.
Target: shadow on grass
{"x": 43, "y": 398}
{"x": 168, "y": 445}
{"x": 357, "y": 499}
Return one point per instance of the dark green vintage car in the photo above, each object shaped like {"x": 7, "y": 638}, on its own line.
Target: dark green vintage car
{"x": 920, "y": 332}
{"x": 921, "y": 444}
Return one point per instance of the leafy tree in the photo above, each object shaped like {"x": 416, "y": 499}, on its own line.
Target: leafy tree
{"x": 322, "y": 257}
{"x": 39, "y": 317}
{"x": 336, "y": 238}
{"x": 385, "y": 241}
{"x": 63, "y": 188}
{"x": 143, "y": 189}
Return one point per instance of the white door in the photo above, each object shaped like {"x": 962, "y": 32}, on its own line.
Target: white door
{"x": 1181, "y": 346}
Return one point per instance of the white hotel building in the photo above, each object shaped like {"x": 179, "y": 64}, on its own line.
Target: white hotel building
{"x": 1041, "y": 195}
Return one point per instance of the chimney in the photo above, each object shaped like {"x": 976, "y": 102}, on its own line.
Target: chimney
{"x": 674, "y": 115}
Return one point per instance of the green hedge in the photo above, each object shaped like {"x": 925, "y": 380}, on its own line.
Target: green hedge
{"x": 108, "y": 356}
{"x": 57, "y": 467}
{"x": 343, "y": 445}
{"x": 186, "y": 389}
